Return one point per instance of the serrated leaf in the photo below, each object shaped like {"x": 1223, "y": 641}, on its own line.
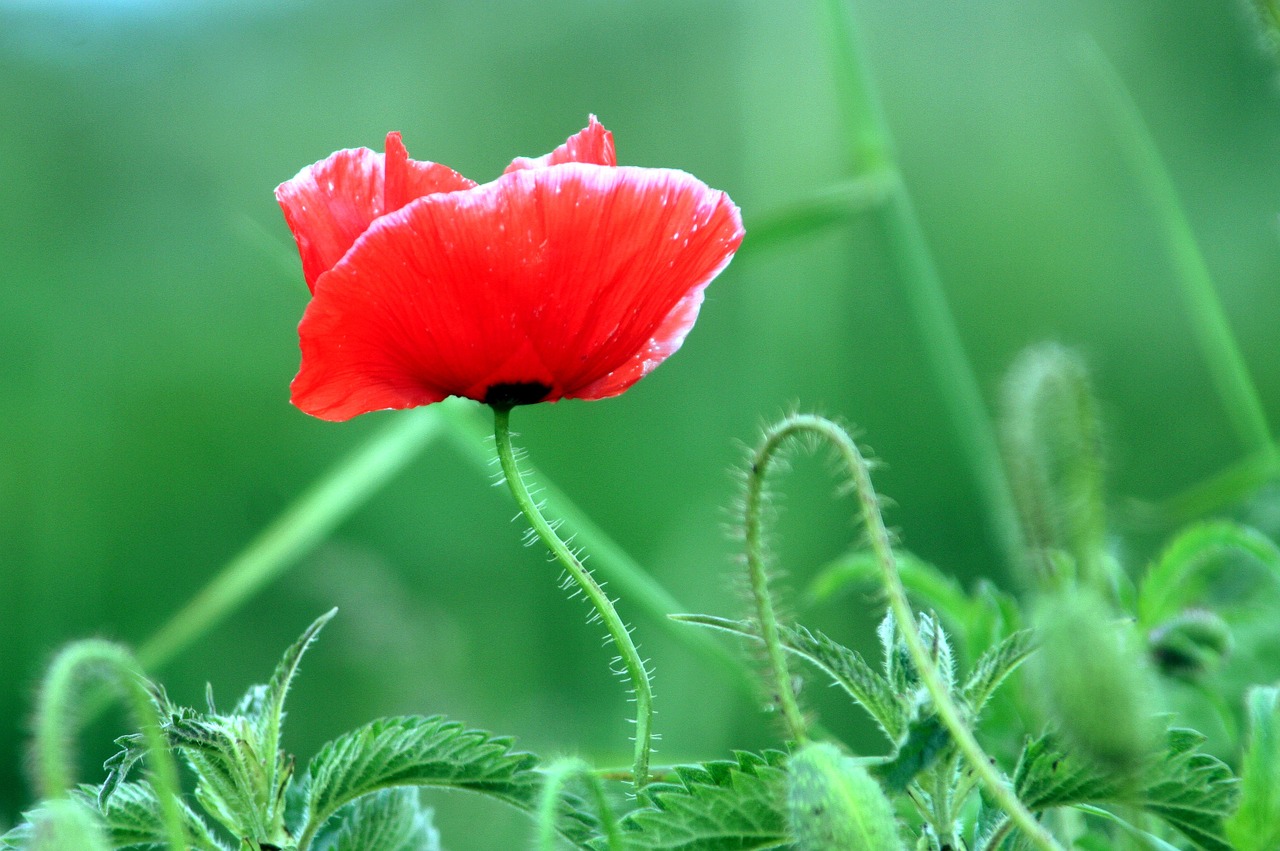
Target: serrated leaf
{"x": 725, "y": 805}
{"x": 1178, "y": 578}
{"x": 1255, "y": 826}
{"x": 416, "y": 751}
{"x": 277, "y": 688}
{"x": 994, "y": 666}
{"x": 847, "y": 668}
{"x": 1190, "y": 790}
{"x": 132, "y": 818}
{"x": 58, "y": 825}
{"x": 389, "y": 820}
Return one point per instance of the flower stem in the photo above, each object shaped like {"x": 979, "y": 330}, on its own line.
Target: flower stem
{"x": 759, "y": 582}
{"x": 618, "y": 631}
{"x": 948, "y": 713}
{"x": 60, "y": 694}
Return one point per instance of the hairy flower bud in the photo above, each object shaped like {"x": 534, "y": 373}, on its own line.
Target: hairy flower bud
{"x": 832, "y": 802}
{"x": 1094, "y": 682}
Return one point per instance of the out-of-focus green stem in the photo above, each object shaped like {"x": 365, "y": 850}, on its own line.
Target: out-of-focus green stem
{"x": 870, "y": 146}
{"x": 829, "y": 207}
{"x": 1227, "y": 487}
{"x": 61, "y": 696}
{"x": 302, "y": 526}
{"x": 1209, "y": 321}
{"x": 623, "y": 572}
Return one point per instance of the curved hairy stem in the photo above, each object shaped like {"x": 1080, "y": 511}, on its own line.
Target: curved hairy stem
{"x": 948, "y": 713}
{"x": 758, "y": 576}
{"x": 60, "y": 695}
{"x": 618, "y": 631}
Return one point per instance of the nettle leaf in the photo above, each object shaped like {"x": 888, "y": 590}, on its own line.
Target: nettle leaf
{"x": 389, "y": 820}
{"x": 994, "y": 666}
{"x": 61, "y": 824}
{"x": 728, "y": 805}
{"x": 1190, "y": 790}
{"x": 231, "y": 773}
{"x": 416, "y": 751}
{"x": 132, "y": 818}
{"x": 847, "y": 669}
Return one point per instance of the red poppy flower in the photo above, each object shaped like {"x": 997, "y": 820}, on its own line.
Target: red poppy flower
{"x": 568, "y": 277}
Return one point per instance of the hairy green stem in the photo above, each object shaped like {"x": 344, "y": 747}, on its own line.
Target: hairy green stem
{"x": 948, "y": 712}
{"x": 617, "y": 630}
{"x": 555, "y": 777}
{"x": 471, "y": 437}
{"x": 870, "y": 146}
{"x": 758, "y": 578}
{"x": 307, "y": 522}
{"x": 1208, "y": 319}
{"x": 59, "y": 699}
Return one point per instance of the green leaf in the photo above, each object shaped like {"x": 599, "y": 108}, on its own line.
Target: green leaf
{"x": 277, "y": 688}
{"x": 389, "y": 820}
{"x": 1190, "y": 790}
{"x": 132, "y": 818}
{"x": 847, "y": 669}
{"x": 415, "y": 751}
{"x": 994, "y": 666}
{"x": 1255, "y": 826}
{"x": 736, "y": 805}
{"x": 59, "y": 825}
{"x": 1180, "y": 576}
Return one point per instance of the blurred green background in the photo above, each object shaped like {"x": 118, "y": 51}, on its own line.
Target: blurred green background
{"x": 149, "y": 293}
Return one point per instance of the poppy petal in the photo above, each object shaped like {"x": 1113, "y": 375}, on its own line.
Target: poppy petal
{"x": 594, "y": 144}
{"x": 328, "y": 205}
{"x": 575, "y": 278}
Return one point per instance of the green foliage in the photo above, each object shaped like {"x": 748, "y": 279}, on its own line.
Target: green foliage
{"x": 389, "y": 820}
{"x": 727, "y": 805}
{"x": 415, "y": 751}
{"x": 1179, "y": 578}
{"x": 1187, "y": 788}
{"x": 832, "y": 802}
{"x": 1255, "y": 825}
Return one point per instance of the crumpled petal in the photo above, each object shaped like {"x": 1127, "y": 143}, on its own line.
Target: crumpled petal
{"x": 329, "y": 204}
{"x": 594, "y": 144}
{"x": 578, "y": 278}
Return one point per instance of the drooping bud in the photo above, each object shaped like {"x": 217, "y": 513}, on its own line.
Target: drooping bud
{"x": 832, "y": 802}
{"x": 1053, "y": 451}
{"x": 1190, "y": 644}
{"x": 1093, "y": 680}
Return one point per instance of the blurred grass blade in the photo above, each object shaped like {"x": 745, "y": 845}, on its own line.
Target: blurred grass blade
{"x": 835, "y": 205}
{"x": 627, "y": 578}
{"x": 1231, "y": 486}
{"x": 302, "y": 526}
{"x": 871, "y": 153}
{"x": 1213, "y": 332}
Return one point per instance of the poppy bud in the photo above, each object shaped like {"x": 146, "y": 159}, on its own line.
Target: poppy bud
{"x": 1094, "y": 682}
{"x": 1190, "y": 644}
{"x": 832, "y": 802}
{"x": 65, "y": 825}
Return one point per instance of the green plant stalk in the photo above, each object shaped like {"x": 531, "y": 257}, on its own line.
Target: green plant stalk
{"x": 556, "y": 778}
{"x": 626, "y": 575}
{"x": 1209, "y": 321}
{"x": 759, "y": 581}
{"x": 871, "y": 153}
{"x": 617, "y": 630}
{"x": 1226, "y": 488}
{"x": 948, "y": 713}
{"x": 303, "y": 525}
{"x": 58, "y": 699}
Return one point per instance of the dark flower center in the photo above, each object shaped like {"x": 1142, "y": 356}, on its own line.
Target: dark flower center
{"x": 507, "y": 395}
